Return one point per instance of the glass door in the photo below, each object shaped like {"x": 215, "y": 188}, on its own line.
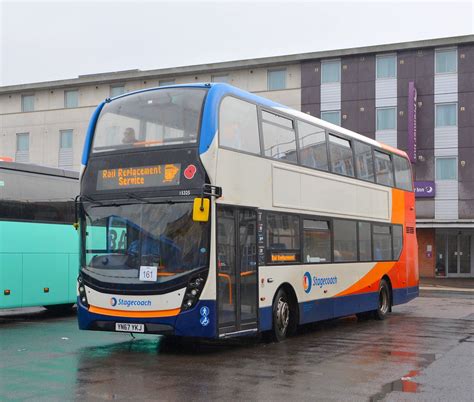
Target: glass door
{"x": 465, "y": 261}
{"x": 237, "y": 278}
{"x": 453, "y": 254}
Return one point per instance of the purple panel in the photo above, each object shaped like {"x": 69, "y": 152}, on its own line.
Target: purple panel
{"x": 311, "y": 94}
{"x": 310, "y": 74}
{"x": 412, "y": 107}
{"x": 351, "y": 112}
{"x": 424, "y": 169}
{"x": 425, "y": 189}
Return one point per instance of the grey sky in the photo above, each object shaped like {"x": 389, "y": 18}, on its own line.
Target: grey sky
{"x": 42, "y": 41}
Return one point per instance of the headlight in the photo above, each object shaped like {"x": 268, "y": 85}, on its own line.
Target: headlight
{"x": 193, "y": 291}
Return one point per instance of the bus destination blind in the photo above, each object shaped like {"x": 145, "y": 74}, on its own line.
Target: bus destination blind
{"x": 139, "y": 177}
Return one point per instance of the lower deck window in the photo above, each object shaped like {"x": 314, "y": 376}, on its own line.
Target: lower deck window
{"x": 345, "y": 240}
{"x": 283, "y": 239}
{"x": 317, "y": 241}
{"x": 382, "y": 242}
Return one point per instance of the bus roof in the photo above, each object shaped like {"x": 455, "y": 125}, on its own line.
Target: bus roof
{"x": 49, "y": 171}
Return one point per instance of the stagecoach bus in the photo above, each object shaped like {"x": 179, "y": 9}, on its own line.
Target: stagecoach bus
{"x": 39, "y": 249}
{"x": 207, "y": 211}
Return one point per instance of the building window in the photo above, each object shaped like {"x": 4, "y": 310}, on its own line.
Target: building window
{"x": 313, "y": 147}
{"x": 23, "y": 142}
{"x": 333, "y": 117}
{"x": 386, "y": 66}
{"x": 345, "y": 240}
{"x": 340, "y": 152}
{"x": 317, "y": 241}
{"x": 279, "y": 137}
{"x": 165, "y": 83}
{"x": 117, "y": 90}
{"x": 238, "y": 125}
{"x": 276, "y": 79}
{"x": 65, "y": 139}
{"x": 283, "y": 238}
{"x": 446, "y": 169}
{"x": 365, "y": 242}
{"x": 383, "y": 168}
{"x": 446, "y": 61}
{"x": 220, "y": 78}
{"x": 386, "y": 119}
{"x": 382, "y": 243}
{"x": 330, "y": 71}
{"x": 27, "y": 103}
{"x": 446, "y": 115}
{"x": 364, "y": 161}
{"x": 71, "y": 98}
{"x": 22, "y": 148}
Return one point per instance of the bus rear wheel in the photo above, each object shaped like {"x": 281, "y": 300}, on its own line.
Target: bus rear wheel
{"x": 283, "y": 316}
{"x": 384, "y": 301}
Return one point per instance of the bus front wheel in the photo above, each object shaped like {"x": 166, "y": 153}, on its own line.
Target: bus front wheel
{"x": 283, "y": 319}
{"x": 384, "y": 301}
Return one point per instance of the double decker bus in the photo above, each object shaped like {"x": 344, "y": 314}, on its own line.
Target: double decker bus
{"x": 39, "y": 250}
{"x": 207, "y": 211}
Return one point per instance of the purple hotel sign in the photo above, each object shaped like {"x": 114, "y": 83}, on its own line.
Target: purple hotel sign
{"x": 425, "y": 189}
{"x": 412, "y": 122}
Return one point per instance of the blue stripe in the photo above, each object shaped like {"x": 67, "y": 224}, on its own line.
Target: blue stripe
{"x": 90, "y": 133}
{"x": 325, "y": 309}
{"x": 210, "y": 119}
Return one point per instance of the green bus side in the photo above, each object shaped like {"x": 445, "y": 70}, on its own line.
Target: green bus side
{"x": 39, "y": 264}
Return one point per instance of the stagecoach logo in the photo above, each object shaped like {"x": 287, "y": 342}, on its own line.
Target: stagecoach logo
{"x": 129, "y": 303}
{"x": 310, "y": 281}
{"x": 204, "y": 320}
{"x": 307, "y": 282}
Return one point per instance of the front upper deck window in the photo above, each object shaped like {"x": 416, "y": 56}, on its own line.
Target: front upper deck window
{"x": 149, "y": 119}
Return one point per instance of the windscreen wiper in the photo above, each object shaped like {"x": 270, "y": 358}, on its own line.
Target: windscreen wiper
{"x": 136, "y": 197}
{"x": 92, "y": 201}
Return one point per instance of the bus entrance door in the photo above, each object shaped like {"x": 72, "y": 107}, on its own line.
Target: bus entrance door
{"x": 236, "y": 270}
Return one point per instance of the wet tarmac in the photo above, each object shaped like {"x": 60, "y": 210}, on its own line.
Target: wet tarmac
{"x": 409, "y": 356}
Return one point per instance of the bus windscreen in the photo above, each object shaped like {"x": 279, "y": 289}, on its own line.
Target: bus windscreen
{"x": 168, "y": 116}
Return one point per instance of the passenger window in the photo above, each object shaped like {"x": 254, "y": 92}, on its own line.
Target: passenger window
{"x": 403, "y": 177}
{"x": 279, "y": 137}
{"x": 382, "y": 243}
{"x": 238, "y": 126}
{"x": 345, "y": 240}
{"x": 365, "y": 242}
{"x": 283, "y": 238}
{"x": 341, "y": 156}
{"x": 397, "y": 241}
{"x": 317, "y": 241}
{"x": 383, "y": 168}
{"x": 364, "y": 161}
{"x": 313, "y": 151}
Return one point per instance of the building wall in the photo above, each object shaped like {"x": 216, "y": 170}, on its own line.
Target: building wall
{"x": 466, "y": 131}
{"x": 50, "y": 116}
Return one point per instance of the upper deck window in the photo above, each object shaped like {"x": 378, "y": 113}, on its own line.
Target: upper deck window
{"x": 150, "y": 119}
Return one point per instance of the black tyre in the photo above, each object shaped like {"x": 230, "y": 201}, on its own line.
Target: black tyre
{"x": 384, "y": 301}
{"x": 283, "y": 317}
{"x": 60, "y": 308}
{"x": 366, "y": 315}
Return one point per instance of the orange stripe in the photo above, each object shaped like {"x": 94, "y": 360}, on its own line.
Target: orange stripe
{"x": 134, "y": 314}
{"x": 398, "y": 206}
{"x": 372, "y": 277}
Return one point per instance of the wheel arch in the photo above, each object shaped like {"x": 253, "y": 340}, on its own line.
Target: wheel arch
{"x": 290, "y": 291}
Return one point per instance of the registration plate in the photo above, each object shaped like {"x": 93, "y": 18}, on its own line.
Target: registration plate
{"x": 127, "y": 327}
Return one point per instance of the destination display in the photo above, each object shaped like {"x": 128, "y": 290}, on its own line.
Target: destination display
{"x": 139, "y": 177}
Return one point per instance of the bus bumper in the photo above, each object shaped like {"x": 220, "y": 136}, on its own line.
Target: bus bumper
{"x": 200, "y": 321}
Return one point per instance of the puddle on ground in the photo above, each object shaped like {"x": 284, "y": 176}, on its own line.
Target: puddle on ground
{"x": 404, "y": 384}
